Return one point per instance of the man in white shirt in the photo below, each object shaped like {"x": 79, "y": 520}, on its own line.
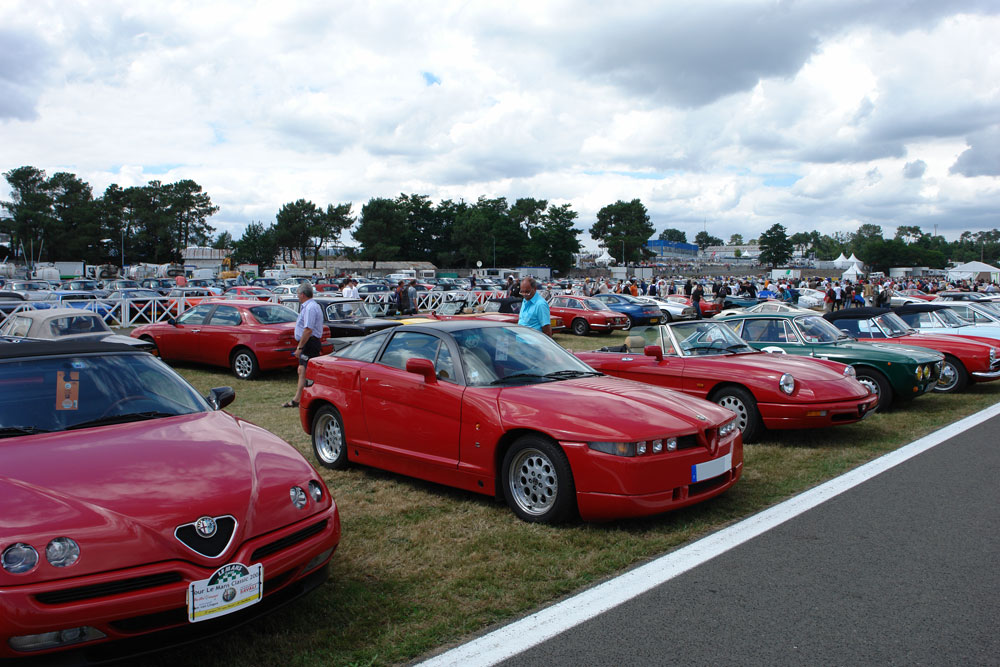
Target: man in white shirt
{"x": 309, "y": 334}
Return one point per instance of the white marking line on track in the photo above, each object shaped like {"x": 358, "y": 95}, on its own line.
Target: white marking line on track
{"x": 532, "y": 630}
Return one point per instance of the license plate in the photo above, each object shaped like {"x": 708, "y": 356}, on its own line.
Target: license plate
{"x": 709, "y": 469}
{"x": 654, "y": 320}
{"x": 230, "y": 588}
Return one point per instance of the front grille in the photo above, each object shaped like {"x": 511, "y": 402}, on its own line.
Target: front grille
{"x": 287, "y": 541}
{"x": 708, "y": 485}
{"x": 208, "y": 546}
{"x": 149, "y": 622}
{"x": 687, "y": 442}
{"x": 109, "y": 588}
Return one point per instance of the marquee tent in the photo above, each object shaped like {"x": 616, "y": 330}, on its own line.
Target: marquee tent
{"x": 974, "y": 271}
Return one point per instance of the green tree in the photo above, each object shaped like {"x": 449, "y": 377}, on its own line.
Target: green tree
{"x": 329, "y": 226}
{"x": 802, "y": 241}
{"x": 76, "y": 221}
{"x": 223, "y": 241}
{"x": 704, "y": 239}
{"x": 624, "y": 228}
{"x": 448, "y": 213}
{"x": 258, "y": 245}
{"x": 294, "y": 226}
{"x": 736, "y": 239}
{"x": 381, "y": 230}
{"x": 909, "y": 233}
{"x": 485, "y": 232}
{"x": 675, "y": 235}
{"x": 775, "y": 246}
{"x": 189, "y": 208}
{"x": 30, "y": 209}
{"x": 555, "y": 239}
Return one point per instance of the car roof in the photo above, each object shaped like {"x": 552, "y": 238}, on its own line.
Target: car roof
{"x": 54, "y": 348}
{"x": 449, "y": 326}
{"x": 919, "y": 308}
{"x": 53, "y": 313}
{"x": 856, "y": 313}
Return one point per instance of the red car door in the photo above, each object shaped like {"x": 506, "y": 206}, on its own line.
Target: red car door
{"x": 635, "y": 365}
{"x": 220, "y": 334}
{"x": 181, "y": 341}
{"x": 407, "y": 416}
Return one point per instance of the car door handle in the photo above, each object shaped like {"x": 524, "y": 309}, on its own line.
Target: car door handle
{"x": 195, "y": 330}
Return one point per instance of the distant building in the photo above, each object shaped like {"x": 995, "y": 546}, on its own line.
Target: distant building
{"x": 664, "y": 250}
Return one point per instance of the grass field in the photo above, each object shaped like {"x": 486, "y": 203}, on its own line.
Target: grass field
{"x": 421, "y": 566}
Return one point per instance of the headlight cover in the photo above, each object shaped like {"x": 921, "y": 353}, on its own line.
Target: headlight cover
{"x": 298, "y": 497}
{"x": 62, "y": 552}
{"x": 787, "y": 383}
{"x": 19, "y": 558}
{"x": 850, "y": 372}
{"x": 315, "y": 490}
{"x": 727, "y": 428}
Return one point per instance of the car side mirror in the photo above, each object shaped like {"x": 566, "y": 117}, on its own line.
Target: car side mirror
{"x": 171, "y": 321}
{"x": 653, "y": 351}
{"x": 220, "y": 397}
{"x": 423, "y": 367}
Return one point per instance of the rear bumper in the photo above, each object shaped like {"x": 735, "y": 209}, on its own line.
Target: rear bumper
{"x": 815, "y": 415}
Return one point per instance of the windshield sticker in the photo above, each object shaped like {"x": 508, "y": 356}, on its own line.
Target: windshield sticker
{"x": 67, "y": 390}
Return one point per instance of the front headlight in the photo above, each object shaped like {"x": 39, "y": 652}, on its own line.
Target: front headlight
{"x": 19, "y": 558}
{"x": 298, "y": 497}
{"x": 727, "y": 428}
{"x": 850, "y": 372}
{"x": 993, "y": 355}
{"x": 787, "y": 383}
{"x": 62, "y": 552}
{"x": 315, "y": 490}
{"x": 615, "y": 448}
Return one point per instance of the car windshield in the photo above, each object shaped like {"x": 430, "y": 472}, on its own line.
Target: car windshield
{"x": 85, "y": 285}
{"x": 949, "y": 318}
{"x": 993, "y": 307}
{"x": 450, "y": 308}
{"x": 43, "y": 394}
{"x": 29, "y": 287}
{"x": 815, "y": 329}
{"x": 513, "y": 355}
{"x": 273, "y": 314}
{"x": 347, "y": 310}
{"x": 699, "y": 338}
{"x": 595, "y": 304}
{"x": 893, "y": 325}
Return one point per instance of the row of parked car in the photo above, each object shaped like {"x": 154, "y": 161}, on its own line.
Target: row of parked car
{"x": 198, "y": 520}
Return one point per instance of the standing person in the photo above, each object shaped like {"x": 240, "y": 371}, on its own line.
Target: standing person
{"x": 688, "y": 287}
{"x": 697, "y": 294}
{"x": 472, "y": 282}
{"x": 402, "y": 299}
{"x": 838, "y": 296}
{"x": 309, "y": 334}
{"x": 509, "y": 287}
{"x": 411, "y": 296}
{"x": 828, "y": 299}
{"x": 534, "y": 311}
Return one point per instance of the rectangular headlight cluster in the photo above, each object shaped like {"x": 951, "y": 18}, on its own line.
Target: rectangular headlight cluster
{"x": 638, "y": 448}
{"x": 728, "y": 428}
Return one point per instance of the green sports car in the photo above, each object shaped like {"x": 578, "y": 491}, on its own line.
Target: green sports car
{"x": 890, "y": 371}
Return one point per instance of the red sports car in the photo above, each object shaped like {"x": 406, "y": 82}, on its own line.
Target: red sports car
{"x": 248, "y": 292}
{"x": 506, "y": 411}
{"x": 583, "y": 314}
{"x": 133, "y": 509}
{"x": 707, "y": 360}
{"x": 709, "y": 306}
{"x": 245, "y": 335}
{"x": 966, "y": 358}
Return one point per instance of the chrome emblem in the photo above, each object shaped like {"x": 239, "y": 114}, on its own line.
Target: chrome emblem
{"x": 205, "y": 526}
{"x": 701, "y": 417}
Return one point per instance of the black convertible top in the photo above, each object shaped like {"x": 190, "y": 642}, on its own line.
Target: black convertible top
{"x": 866, "y": 313}
{"x": 14, "y": 349}
{"x": 919, "y": 308}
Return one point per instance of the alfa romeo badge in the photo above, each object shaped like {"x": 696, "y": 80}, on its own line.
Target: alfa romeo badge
{"x": 206, "y": 526}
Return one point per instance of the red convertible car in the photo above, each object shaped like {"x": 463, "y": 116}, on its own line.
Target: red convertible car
{"x": 506, "y": 411}
{"x": 137, "y": 513}
{"x": 248, "y": 292}
{"x": 966, "y": 358}
{"x": 707, "y": 360}
{"x": 583, "y": 314}
{"x": 246, "y": 335}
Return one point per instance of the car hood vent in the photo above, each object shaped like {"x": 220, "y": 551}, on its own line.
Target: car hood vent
{"x": 212, "y": 546}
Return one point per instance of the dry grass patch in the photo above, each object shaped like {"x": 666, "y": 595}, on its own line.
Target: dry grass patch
{"x": 421, "y": 565}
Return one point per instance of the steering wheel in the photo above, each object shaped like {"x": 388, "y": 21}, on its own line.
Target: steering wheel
{"x": 122, "y": 401}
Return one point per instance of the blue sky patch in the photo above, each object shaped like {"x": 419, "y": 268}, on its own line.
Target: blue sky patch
{"x": 780, "y": 180}
{"x": 430, "y": 79}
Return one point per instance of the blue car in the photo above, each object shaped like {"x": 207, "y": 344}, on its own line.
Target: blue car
{"x": 76, "y": 299}
{"x": 639, "y": 314}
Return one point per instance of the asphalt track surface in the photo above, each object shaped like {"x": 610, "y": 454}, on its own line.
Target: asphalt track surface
{"x": 900, "y": 569}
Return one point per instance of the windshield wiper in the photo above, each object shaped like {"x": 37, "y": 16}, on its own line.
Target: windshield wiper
{"x": 739, "y": 347}
{"x": 11, "y": 431}
{"x": 571, "y": 374}
{"x": 121, "y": 419}
{"x": 519, "y": 376}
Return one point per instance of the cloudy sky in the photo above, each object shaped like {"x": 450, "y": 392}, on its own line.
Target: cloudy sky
{"x": 726, "y": 116}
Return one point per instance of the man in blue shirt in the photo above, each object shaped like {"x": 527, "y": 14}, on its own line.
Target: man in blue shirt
{"x": 309, "y": 334}
{"x": 534, "y": 311}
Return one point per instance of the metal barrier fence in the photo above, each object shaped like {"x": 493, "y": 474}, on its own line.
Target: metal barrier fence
{"x": 125, "y": 313}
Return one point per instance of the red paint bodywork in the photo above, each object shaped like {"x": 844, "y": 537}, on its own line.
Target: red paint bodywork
{"x": 214, "y": 344}
{"x": 457, "y": 435}
{"x": 972, "y": 351}
{"x": 509, "y": 318}
{"x": 820, "y": 385}
{"x": 598, "y": 320}
{"x": 248, "y": 292}
{"x": 121, "y": 491}
{"x": 709, "y": 306}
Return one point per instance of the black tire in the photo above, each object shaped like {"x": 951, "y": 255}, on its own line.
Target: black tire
{"x": 667, "y": 317}
{"x": 742, "y": 403}
{"x": 878, "y": 384}
{"x": 328, "y": 440}
{"x": 581, "y": 327}
{"x": 244, "y": 364}
{"x": 537, "y": 481}
{"x": 629, "y": 324}
{"x": 953, "y": 378}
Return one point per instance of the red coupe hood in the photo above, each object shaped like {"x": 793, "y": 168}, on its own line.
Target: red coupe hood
{"x": 764, "y": 364}
{"x": 606, "y": 408}
{"x": 121, "y": 491}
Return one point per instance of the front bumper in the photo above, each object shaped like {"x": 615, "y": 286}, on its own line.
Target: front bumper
{"x": 986, "y": 376}
{"x": 613, "y": 487}
{"x": 144, "y": 608}
{"x": 815, "y": 415}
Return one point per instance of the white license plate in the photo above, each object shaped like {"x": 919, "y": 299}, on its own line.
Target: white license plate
{"x": 709, "y": 469}
{"x": 230, "y": 588}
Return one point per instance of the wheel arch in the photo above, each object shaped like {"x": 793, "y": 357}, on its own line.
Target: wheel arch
{"x": 500, "y": 451}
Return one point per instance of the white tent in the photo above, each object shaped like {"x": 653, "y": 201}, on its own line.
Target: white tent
{"x": 840, "y": 262}
{"x": 852, "y": 273}
{"x": 604, "y": 259}
{"x": 854, "y": 260}
{"x": 974, "y": 271}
